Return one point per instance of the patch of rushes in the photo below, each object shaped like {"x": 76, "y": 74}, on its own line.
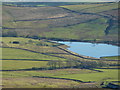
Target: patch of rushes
{"x": 38, "y": 83}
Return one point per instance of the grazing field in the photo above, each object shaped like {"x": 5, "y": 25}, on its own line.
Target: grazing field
{"x": 107, "y": 74}
{"x": 23, "y": 54}
{"x": 22, "y": 64}
{"x": 45, "y": 73}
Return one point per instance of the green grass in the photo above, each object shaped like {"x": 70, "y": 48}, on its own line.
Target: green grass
{"x": 47, "y": 73}
{"x": 10, "y": 53}
{"x": 22, "y": 64}
{"x": 107, "y": 74}
{"x": 84, "y": 75}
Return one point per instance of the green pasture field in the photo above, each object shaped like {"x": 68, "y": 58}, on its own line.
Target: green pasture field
{"x": 46, "y": 73}
{"x": 22, "y": 64}
{"x": 76, "y": 74}
{"x": 11, "y": 53}
{"x": 107, "y": 74}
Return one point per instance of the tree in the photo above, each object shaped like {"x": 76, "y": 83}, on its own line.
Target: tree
{"x": 52, "y": 64}
{"x": 60, "y": 63}
{"x": 12, "y": 34}
{"x": 70, "y": 63}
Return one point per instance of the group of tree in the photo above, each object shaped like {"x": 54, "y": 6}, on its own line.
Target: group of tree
{"x": 9, "y": 33}
{"x": 53, "y": 64}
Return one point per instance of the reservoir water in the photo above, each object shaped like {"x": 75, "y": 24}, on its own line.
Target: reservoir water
{"x": 92, "y": 50}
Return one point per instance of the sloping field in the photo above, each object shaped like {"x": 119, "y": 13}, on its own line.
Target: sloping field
{"x": 67, "y": 22}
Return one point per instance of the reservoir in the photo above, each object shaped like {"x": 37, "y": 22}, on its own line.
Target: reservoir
{"x": 92, "y": 50}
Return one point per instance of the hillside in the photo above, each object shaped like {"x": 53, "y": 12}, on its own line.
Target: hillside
{"x": 32, "y": 57}
{"x": 66, "y": 21}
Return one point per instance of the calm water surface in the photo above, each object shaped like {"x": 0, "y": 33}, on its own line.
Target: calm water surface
{"x": 93, "y": 50}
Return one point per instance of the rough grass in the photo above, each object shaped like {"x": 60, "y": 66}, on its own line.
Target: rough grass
{"x": 37, "y": 83}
